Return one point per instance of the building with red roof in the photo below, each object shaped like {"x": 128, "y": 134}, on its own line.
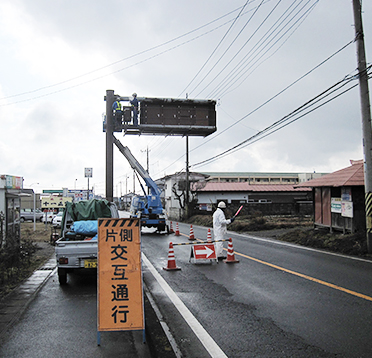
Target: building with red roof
{"x": 339, "y": 198}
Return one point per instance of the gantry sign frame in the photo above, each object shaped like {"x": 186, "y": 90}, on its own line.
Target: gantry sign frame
{"x": 158, "y": 116}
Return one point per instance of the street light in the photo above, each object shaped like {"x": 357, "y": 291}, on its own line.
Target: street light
{"x": 33, "y": 191}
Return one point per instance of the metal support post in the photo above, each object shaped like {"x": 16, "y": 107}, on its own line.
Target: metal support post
{"x": 110, "y": 99}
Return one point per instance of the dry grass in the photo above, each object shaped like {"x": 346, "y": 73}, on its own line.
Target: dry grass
{"x": 298, "y": 230}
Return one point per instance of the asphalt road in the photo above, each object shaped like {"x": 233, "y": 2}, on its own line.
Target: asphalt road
{"x": 280, "y": 300}
{"x": 62, "y": 322}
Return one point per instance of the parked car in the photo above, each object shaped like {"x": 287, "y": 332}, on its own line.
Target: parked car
{"x": 49, "y": 216}
{"x": 57, "y": 220}
{"x": 28, "y": 214}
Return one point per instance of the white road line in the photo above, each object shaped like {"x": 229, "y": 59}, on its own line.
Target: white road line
{"x": 210, "y": 345}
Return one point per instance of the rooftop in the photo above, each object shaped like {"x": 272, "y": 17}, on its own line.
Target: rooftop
{"x": 252, "y": 188}
{"x": 350, "y": 176}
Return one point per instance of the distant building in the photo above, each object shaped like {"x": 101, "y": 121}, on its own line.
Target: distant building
{"x": 256, "y": 189}
{"x": 260, "y": 178}
{"x": 269, "y": 199}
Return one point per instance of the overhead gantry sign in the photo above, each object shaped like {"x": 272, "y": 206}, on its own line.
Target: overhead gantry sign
{"x": 162, "y": 116}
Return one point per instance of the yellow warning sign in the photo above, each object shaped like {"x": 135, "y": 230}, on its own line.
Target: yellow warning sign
{"x": 120, "y": 295}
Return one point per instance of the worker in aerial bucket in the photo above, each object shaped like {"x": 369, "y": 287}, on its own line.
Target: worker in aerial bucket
{"x": 134, "y": 103}
{"x": 220, "y": 227}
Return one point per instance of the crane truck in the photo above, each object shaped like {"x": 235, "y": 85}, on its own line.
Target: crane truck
{"x": 147, "y": 207}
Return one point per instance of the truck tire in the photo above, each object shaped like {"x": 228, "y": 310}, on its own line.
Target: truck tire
{"x": 22, "y": 219}
{"x": 62, "y": 276}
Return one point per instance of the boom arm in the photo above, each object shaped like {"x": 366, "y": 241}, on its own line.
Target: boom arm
{"x": 137, "y": 167}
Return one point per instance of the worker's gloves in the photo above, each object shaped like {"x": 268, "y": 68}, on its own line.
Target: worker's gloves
{"x": 232, "y": 219}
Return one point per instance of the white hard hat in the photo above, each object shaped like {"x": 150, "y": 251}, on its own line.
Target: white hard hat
{"x": 222, "y": 205}
{"x": 134, "y": 94}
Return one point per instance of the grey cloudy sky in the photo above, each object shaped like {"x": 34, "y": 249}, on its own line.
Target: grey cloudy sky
{"x": 60, "y": 57}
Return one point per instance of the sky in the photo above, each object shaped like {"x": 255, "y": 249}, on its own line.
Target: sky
{"x": 260, "y": 60}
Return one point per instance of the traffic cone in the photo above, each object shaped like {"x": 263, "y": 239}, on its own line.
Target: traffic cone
{"x": 177, "y": 233}
{"x": 230, "y": 254}
{"x": 171, "y": 231}
{"x": 171, "y": 260}
{"x": 209, "y": 236}
{"x": 191, "y": 236}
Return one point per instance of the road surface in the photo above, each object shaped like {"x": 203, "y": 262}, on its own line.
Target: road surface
{"x": 280, "y": 300}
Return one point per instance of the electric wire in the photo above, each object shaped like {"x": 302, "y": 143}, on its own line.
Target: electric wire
{"x": 117, "y": 71}
{"x": 267, "y": 41}
{"x": 284, "y": 121}
{"x": 241, "y": 49}
{"x": 264, "y": 103}
{"x": 129, "y": 57}
{"x": 218, "y": 45}
{"x": 233, "y": 74}
{"x": 237, "y": 78}
{"x": 228, "y": 48}
{"x": 276, "y": 95}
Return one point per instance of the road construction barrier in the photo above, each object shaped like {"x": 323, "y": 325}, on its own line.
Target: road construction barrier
{"x": 199, "y": 242}
{"x": 230, "y": 254}
{"x": 171, "y": 231}
{"x": 209, "y": 236}
{"x": 171, "y": 265}
{"x": 177, "y": 233}
{"x": 191, "y": 236}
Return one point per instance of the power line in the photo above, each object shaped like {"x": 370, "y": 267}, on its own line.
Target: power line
{"x": 119, "y": 61}
{"x": 276, "y": 95}
{"x": 241, "y": 48}
{"x": 218, "y": 45}
{"x": 220, "y": 58}
{"x": 244, "y": 70}
{"x": 283, "y": 122}
{"x": 259, "y": 44}
{"x": 267, "y": 41}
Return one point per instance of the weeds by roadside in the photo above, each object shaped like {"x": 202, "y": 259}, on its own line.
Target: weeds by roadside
{"x": 298, "y": 230}
{"x": 18, "y": 261}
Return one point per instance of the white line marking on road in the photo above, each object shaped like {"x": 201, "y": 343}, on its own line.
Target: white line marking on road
{"x": 210, "y": 345}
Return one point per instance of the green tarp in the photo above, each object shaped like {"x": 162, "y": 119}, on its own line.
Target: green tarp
{"x": 87, "y": 210}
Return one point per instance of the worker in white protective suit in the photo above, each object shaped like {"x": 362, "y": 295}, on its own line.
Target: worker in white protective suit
{"x": 220, "y": 227}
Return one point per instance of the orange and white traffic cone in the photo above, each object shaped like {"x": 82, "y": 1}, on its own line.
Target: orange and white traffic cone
{"x": 171, "y": 260}
{"x": 230, "y": 254}
{"x": 191, "y": 236}
{"x": 171, "y": 231}
{"x": 177, "y": 233}
{"x": 209, "y": 236}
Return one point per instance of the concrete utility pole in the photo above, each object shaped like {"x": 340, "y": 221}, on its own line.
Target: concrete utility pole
{"x": 366, "y": 117}
{"x": 110, "y": 99}
{"x": 187, "y": 206}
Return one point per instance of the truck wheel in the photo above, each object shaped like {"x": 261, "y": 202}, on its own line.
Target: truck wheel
{"x": 62, "y": 276}
{"x": 22, "y": 220}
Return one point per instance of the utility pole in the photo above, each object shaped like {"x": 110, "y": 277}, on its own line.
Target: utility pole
{"x": 110, "y": 99}
{"x": 366, "y": 117}
{"x": 187, "y": 178}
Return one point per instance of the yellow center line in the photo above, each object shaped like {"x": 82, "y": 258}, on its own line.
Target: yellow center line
{"x": 306, "y": 277}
